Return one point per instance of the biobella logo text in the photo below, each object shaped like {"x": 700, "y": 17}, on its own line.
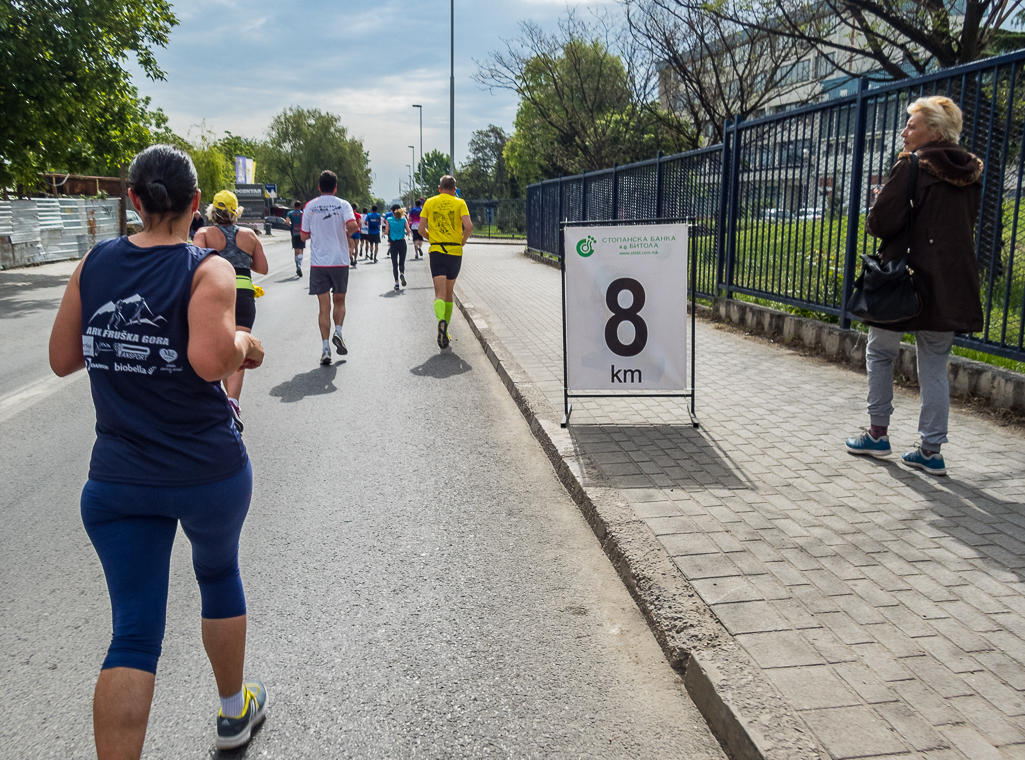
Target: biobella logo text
{"x": 586, "y": 246}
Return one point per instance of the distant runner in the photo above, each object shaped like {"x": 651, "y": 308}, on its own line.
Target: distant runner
{"x": 445, "y": 224}
{"x": 295, "y": 220}
{"x": 414, "y": 225}
{"x": 355, "y": 236}
{"x": 397, "y": 229}
{"x": 364, "y": 233}
{"x": 373, "y": 231}
{"x": 327, "y": 223}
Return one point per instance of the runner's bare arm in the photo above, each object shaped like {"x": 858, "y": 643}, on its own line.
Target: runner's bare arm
{"x": 352, "y": 226}
{"x": 260, "y": 265}
{"x": 304, "y": 235}
{"x": 216, "y": 349}
{"x": 199, "y": 240}
{"x": 467, "y": 229}
{"x": 66, "y": 336}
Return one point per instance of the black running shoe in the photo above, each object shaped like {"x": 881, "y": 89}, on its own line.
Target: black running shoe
{"x": 402, "y": 279}
{"x": 298, "y": 271}
{"x": 339, "y": 344}
{"x": 442, "y": 334}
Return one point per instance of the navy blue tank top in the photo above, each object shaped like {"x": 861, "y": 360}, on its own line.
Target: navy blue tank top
{"x": 157, "y": 422}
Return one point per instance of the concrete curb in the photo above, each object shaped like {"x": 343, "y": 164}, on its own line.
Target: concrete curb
{"x": 743, "y": 709}
{"x": 1000, "y": 388}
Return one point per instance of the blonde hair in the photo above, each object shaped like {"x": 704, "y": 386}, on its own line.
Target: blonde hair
{"x": 940, "y": 114}
{"x": 399, "y": 213}
{"x": 222, "y": 215}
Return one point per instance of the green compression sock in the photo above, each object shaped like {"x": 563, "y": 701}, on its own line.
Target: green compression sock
{"x": 439, "y": 309}
{"x": 448, "y": 310}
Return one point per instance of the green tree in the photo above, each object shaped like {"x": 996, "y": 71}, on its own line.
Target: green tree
{"x": 484, "y": 175}
{"x": 66, "y": 99}
{"x": 301, "y": 143}
{"x": 213, "y": 168}
{"x": 584, "y": 98}
{"x": 432, "y": 167}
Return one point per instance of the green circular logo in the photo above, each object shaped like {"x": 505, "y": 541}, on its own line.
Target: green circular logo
{"x": 586, "y": 246}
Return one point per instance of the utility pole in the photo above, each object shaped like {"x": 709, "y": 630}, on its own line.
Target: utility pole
{"x": 412, "y": 149}
{"x": 452, "y": 94}
{"x": 420, "y": 168}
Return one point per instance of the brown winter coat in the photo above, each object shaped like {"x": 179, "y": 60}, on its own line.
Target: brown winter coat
{"x": 943, "y": 248}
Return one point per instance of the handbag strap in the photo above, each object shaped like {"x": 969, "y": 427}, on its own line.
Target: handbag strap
{"x": 909, "y": 231}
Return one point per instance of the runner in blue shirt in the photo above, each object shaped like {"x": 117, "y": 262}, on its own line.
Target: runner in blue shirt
{"x": 373, "y": 230}
{"x": 295, "y": 219}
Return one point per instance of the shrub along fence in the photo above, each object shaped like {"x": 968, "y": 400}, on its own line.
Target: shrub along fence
{"x": 779, "y": 208}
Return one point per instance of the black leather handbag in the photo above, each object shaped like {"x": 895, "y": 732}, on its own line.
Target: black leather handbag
{"x": 887, "y": 293}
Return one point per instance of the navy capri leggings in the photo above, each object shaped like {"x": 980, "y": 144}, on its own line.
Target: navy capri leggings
{"x": 132, "y": 529}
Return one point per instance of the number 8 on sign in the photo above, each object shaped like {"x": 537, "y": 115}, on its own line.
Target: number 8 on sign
{"x": 622, "y": 314}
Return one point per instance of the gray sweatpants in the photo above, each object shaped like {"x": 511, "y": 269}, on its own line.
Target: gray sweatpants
{"x": 933, "y": 350}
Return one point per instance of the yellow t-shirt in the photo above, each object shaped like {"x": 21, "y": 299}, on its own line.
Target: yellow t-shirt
{"x": 444, "y": 214}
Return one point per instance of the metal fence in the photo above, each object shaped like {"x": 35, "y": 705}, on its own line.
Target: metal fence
{"x": 780, "y": 206}
{"x": 50, "y": 229}
{"x": 498, "y": 217}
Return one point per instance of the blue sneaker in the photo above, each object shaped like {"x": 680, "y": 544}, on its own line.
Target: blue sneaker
{"x": 930, "y": 463}
{"x": 234, "y": 732}
{"x": 869, "y": 446}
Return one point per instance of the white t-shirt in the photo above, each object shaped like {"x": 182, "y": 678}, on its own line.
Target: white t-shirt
{"x": 324, "y": 218}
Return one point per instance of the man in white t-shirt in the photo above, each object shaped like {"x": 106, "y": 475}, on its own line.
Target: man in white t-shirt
{"x": 327, "y": 223}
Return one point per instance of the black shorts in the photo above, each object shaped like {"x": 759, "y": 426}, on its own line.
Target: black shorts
{"x": 372, "y": 237}
{"x": 324, "y": 279}
{"x": 445, "y": 265}
{"x": 298, "y": 243}
{"x": 417, "y": 235}
{"x": 245, "y": 308}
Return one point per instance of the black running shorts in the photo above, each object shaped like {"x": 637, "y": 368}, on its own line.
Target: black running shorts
{"x": 298, "y": 243}
{"x": 372, "y": 237}
{"x": 324, "y": 279}
{"x": 245, "y": 308}
{"x": 417, "y": 235}
{"x": 445, "y": 265}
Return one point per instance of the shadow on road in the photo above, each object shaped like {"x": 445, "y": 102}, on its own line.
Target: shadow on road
{"x": 443, "y": 365}
{"x": 316, "y": 382}
{"x": 392, "y": 294}
{"x": 14, "y": 286}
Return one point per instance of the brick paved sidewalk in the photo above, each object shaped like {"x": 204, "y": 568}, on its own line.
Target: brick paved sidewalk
{"x": 887, "y": 607}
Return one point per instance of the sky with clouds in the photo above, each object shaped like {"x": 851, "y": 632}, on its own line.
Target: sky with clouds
{"x": 235, "y": 64}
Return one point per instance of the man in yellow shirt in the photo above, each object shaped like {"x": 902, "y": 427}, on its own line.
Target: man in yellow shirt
{"x": 445, "y": 224}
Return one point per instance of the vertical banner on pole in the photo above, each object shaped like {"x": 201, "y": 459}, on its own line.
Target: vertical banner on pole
{"x": 626, "y": 308}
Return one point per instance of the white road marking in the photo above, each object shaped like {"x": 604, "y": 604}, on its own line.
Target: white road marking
{"x": 29, "y": 395}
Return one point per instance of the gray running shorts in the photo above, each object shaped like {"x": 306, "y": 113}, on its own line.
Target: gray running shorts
{"x": 323, "y": 279}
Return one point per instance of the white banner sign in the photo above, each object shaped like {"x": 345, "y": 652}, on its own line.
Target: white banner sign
{"x": 626, "y": 308}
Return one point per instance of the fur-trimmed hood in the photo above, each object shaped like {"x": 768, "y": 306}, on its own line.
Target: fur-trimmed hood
{"x": 948, "y": 162}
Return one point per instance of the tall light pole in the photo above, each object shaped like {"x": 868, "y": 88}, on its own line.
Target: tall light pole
{"x": 452, "y": 94}
{"x": 412, "y": 149}
{"x": 421, "y": 168}
{"x": 410, "y": 179}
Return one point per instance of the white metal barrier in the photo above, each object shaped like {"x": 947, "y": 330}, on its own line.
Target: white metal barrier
{"x": 53, "y": 229}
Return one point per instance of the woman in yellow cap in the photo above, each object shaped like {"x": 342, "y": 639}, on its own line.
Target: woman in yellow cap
{"x": 244, "y": 251}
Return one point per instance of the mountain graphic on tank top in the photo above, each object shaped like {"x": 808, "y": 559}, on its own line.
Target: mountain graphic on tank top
{"x": 127, "y": 312}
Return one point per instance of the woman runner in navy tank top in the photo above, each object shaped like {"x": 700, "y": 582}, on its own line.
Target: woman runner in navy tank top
{"x": 152, "y": 319}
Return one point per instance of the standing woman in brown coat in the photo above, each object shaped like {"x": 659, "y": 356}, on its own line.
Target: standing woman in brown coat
{"x": 943, "y": 260}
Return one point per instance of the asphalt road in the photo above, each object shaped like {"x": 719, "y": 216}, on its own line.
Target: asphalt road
{"x": 419, "y": 583}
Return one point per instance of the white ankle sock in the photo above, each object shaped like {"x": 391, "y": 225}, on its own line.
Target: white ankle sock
{"x": 327, "y": 345}
{"x": 233, "y": 706}
{"x": 338, "y": 329}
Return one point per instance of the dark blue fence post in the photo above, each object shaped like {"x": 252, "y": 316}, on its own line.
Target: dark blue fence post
{"x": 856, "y": 201}
{"x": 583, "y": 197}
{"x": 658, "y": 185}
{"x": 724, "y": 200}
{"x": 734, "y": 208}
{"x": 559, "y": 220}
{"x": 615, "y": 190}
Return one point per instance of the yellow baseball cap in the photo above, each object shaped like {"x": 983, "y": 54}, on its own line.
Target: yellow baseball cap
{"x": 227, "y": 201}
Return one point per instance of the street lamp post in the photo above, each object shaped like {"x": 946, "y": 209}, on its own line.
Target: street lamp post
{"x": 410, "y": 179}
{"x": 452, "y": 93}
{"x": 421, "y": 168}
{"x": 412, "y": 150}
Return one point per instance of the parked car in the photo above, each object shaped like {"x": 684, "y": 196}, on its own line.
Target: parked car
{"x": 277, "y": 223}
{"x": 777, "y": 215}
{"x": 809, "y": 214}
{"x": 134, "y": 224}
